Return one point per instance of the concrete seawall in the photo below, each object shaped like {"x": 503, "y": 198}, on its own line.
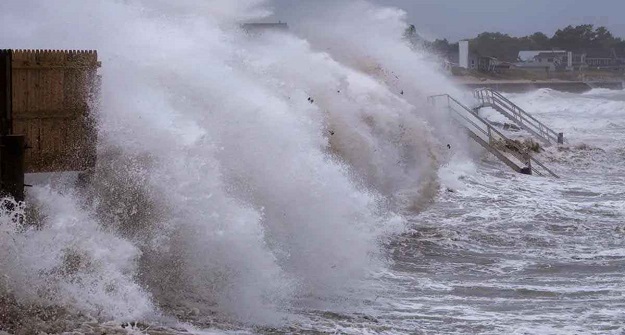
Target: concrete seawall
{"x": 526, "y": 86}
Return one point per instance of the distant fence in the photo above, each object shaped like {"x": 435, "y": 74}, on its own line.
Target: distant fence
{"x": 47, "y": 96}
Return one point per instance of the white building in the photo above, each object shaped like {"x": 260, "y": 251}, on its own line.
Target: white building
{"x": 545, "y": 60}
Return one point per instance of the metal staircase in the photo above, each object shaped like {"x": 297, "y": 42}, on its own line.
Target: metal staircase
{"x": 490, "y": 98}
{"x": 480, "y": 130}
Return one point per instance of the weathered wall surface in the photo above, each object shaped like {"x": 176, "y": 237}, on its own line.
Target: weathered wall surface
{"x": 52, "y": 93}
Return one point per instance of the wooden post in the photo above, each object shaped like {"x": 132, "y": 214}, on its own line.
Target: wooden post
{"x": 528, "y": 167}
{"x": 6, "y": 95}
{"x": 11, "y": 146}
{"x": 12, "y": 149}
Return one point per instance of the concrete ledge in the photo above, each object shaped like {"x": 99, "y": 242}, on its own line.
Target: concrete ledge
{"x": 526, "y": 86}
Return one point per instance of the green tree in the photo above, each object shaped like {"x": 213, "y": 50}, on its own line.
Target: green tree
{"x": 604, "y": 39}
{"x": 577, "y": 38}
{"x": 498, "y": 45}
{"x": 581, "y": 38}
{"x": 539, "y": 40}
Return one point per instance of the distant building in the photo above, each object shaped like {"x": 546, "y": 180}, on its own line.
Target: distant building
{"x": 464, "y": 54}
{"x": 467, "y": 58}
{"x": 577, "y": 62}
{"x": 493, "y": 65}
{"x": 472, "y": 60}
{"x": 604, "y": 59}
{"x": 560, "y": 60}
{"x": 526, "y": 56}
{"x": 552, "y": 58}
{"x": 543, "y": 60}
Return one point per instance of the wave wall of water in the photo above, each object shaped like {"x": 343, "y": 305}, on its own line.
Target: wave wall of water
{"x": 236, "y": 173}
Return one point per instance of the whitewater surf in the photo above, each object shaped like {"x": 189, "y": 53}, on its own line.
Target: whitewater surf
{"x": 294, "y": 182}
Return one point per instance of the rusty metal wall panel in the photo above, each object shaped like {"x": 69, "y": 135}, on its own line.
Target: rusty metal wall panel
{"x": 51, "y": 106}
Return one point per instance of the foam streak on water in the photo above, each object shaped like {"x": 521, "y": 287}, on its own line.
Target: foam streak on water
{"x": 507, "y": 253}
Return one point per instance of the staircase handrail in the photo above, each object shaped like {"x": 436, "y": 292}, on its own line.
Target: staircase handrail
{"x": 486, "y": 123}
{"x": 492, "y": 96}
{"x": 520, "y": 153}
{"x": 524, "y": 113}
{"x": 524, "y": 118}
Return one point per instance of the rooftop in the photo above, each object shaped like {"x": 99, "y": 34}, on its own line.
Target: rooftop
{"x": 551, "y": 54}
{"x": 529, "y": 55}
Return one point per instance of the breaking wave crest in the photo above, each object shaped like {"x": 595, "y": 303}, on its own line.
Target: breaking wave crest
{"x": 236, "y": 173}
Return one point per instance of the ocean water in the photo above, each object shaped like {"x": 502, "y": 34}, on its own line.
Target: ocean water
{"x": 298, "y": 182}
{"x": 511, "y": 254}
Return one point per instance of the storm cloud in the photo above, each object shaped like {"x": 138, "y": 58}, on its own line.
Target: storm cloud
{"x": 459, "y": 19}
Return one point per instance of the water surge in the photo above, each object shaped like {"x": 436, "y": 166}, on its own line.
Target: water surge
{"x": 237, "y": 173}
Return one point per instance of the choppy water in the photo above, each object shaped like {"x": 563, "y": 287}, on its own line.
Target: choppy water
{"x": 299, "y": 183}
{"x": 503, "y": 253}
{"x": 507, "y": 253}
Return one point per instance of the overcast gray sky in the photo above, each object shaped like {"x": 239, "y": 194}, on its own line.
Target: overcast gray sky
{"x": 458, "y": 19}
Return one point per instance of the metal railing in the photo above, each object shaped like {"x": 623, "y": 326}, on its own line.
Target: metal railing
{"x": 491, "y": 98}
{"x": 476, "y": 125}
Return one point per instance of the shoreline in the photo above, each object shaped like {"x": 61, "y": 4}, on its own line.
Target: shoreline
{"x": 522, "y": 86}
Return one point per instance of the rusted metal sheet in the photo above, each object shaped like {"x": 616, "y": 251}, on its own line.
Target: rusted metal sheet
{"x": 52, "y": 95}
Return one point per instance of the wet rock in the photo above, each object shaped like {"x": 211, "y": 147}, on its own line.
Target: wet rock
{"x": 520, "y": 146}
{"x": 510, "y": 126}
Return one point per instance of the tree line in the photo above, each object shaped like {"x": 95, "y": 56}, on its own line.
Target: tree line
{"x": 584, "y": 38}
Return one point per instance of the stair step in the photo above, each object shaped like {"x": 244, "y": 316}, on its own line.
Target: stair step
{"x": 486, "y": 135}
{"x": 490, "y": 98}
